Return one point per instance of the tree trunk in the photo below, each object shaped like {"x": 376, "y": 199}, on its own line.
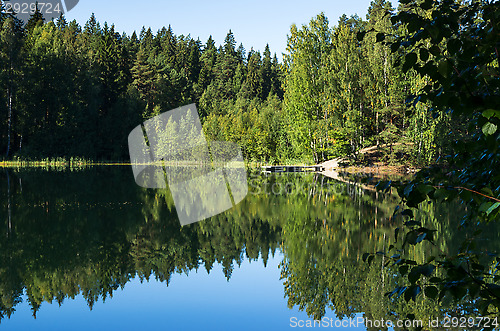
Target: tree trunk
{"x": 9, "y": 120}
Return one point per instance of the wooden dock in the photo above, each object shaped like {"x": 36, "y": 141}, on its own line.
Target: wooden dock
{"x": 271, "y": 169}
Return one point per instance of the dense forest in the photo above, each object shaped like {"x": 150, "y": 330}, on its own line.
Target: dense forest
{"x": 73, "y": 91}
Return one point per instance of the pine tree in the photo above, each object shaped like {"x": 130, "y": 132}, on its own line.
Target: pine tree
{"x": 207, "y": 59}
{"x": 266, "y": 73}
{"x": 61, "y": 22}
{"x": 92, "y": 27}
{"x": 276, "y": 78}
{"x": 143, "y": 78}
{"x": 227, "y": 66}
{"x": 36, "y": 19}
{"x": 241, "y": 54}
{"x": 253, "y": 84}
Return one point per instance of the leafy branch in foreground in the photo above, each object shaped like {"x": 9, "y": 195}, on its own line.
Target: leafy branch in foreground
{"x": 453, "y": 46}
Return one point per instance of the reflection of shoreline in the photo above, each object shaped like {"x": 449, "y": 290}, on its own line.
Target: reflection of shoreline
{"x": 338, "y": 177}
{"x": 330, "y": 173}
{"x": 321, "y": 186}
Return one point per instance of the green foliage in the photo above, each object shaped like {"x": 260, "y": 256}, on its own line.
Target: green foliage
{"x": 457, "y": 48}
{"x": 338, "y": 91}
{"x": 308, "y": 49}
{"x": 83, "y": 90}
{"x": 344, "y": 92}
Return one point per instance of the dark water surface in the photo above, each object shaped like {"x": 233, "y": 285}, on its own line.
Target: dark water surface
{"x": 89, "y": 249}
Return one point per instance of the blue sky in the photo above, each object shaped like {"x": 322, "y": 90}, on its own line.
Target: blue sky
{"x": 254, "y": 23}
{"x": 252, "y": 300}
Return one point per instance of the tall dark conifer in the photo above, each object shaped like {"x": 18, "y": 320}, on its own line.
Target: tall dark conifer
{"x": 266, "y": 73}
{"x": 36, "y": 19}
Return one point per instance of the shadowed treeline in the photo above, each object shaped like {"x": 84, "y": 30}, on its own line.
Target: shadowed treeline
{"x": 74, "y": 89}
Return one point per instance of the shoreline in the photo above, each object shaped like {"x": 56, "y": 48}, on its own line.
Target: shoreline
{"x": 335, "y": 165}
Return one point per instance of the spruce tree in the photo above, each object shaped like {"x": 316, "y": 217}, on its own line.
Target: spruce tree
{"x": 266, "y": 73}
{"x": 36, "y": 19}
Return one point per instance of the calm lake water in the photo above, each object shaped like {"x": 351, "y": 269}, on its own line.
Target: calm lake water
{"x": 89, "y": 249}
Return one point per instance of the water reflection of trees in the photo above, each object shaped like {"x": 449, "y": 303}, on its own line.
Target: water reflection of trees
{"x": 323, "y": 268}
{"x": 91, "y": 232}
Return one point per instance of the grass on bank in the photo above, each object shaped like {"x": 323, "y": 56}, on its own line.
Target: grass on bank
{"x": 57, "y": 163}
{"x": 78, "y": 162}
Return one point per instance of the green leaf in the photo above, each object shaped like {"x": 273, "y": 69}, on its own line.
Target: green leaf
{"x": 489, "y": 113}
{"x": 424, "y": 54}
{"x": 361, "y": 35}
{"x": 487, "y": 191}
{"x": 395, "y": 47}
{"x": 492, "y": 208}
{"x": 427, "y": 269}
{"x": 407, "y": 212}
{"x": 431, "y": 292}
{"x": 398, "y": 291}
{"x": 380, "y": 36}
{"x": 435, "y": 50}
{"x": 414, "y": 275}
{"x": 411, "y": 238}
{"x": 454, "y": 46}
{"x": 412, "y": 292}
{"x": 413, "y": 223}
{"x": 420, "y": 237}
{"x": 429, "y": 233}
{"x": 383, "y": 185}
{"x": 410, "y": 60}
{"x": 458, "y": 291}
{"x": 427, "y": 4}
{"x": 370, "y": 259}
{"x": 408, "y": 189}
{"x": 414, "y": 199}
{"x": 441, "y": 194}
{"x": 425, "y": 189}
{"x": 433, "y": 31}
{"x": 489, "y": 129}
{"x": 416, "y": 292}
{"x": 435, "y": 280}
{"x": 365, "y": 256}
{"x": 444, "y": 68}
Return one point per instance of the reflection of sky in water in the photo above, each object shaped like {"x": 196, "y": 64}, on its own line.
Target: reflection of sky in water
{"x": 253, "y": 299}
